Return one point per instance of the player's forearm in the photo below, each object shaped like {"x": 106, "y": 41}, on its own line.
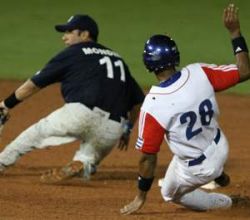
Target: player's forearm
{"x": 132, "y": 117}
{"x": 243, "y": 64}
{"x": 232, "y": 23}
{"x": 147, "y": 165}
{"x": 242, "y": 57}
{"x": 134, "y": 113}
{"x": 24, "y": 91}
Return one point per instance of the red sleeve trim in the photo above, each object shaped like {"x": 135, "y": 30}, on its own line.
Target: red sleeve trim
{"x": 151, "y": 134}
{"x": 222, "y": 77}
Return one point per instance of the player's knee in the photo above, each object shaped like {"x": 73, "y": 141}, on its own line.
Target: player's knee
{"x": 165, "y": 195}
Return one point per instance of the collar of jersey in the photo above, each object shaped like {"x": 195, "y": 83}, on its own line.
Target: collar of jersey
{"x": 171, "y": 80}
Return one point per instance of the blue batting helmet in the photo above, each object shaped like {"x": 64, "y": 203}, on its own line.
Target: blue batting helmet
{"x": 160, "y": 53}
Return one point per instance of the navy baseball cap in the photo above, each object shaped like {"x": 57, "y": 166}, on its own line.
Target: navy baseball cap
{"x": 80, "y": 22}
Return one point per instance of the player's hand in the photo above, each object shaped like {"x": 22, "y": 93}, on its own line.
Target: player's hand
{"x": 4, "y": 113}
{"x": 2, "y": 105}
{"x": 135, "y": 205}
{"x": 123, "y": 142}
{"x": 231, "y": 20}
{"x": 4, "y": 116}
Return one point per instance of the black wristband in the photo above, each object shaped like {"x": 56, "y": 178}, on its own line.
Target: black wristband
{"x": 11, "y": 101}
{"x": 144, "y": 184}
{"x": 239, "y": 45}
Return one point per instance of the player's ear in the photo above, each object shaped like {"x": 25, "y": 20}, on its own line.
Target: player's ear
{"x": 85, "y": 35}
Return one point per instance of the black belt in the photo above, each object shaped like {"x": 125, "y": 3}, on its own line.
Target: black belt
{"x": 113, "y": 117}
{"x": 203, "y": 157}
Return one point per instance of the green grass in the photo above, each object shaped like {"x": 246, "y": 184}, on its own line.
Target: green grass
{"x": 28, "y": 39}
{"x": 243, "y": 88}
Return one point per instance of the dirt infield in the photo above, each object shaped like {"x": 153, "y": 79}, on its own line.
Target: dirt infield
{"x": 22, "y": 196}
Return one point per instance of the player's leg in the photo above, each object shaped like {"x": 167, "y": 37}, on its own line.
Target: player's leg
{"x": 202, "y": 201}
{"x": 195, "y": 199}
{"x": 180, "y": 187}
{"x": 60, "y": 127}
{"x": 97, "y": 144}
{"x": 221, "y": 181}
{"x": 82, "y": 165}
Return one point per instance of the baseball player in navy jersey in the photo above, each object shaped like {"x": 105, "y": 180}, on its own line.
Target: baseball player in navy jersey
{"x": 183, "y": 108}
{"x": 101, "y": 97}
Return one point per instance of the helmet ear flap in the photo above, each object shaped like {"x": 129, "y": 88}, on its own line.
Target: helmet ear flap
{"x": 160, "y": 53}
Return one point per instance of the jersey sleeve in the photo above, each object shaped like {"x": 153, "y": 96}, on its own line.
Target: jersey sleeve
{"x": 53, "y": 71}
{"x": 221, "y": 77}
{"x": 151, "y": 134}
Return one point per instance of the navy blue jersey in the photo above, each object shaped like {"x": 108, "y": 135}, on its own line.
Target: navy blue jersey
{"x": 94, "y": 75}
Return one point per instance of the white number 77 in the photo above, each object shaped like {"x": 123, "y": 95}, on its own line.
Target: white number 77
{"x": 110, "y": 71}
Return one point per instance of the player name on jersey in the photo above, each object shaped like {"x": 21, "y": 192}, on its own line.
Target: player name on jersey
{"x": 93, "y": 50}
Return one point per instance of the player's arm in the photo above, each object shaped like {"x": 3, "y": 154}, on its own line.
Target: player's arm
{"x": 136, "y": 100}
{"x": 24, "y": 91}
{"x": 151, "y": 135}
{"x": 226, "y": 76}
{"x": 231, "y": 22}
{"x": 147, "y": 166}
{"x": 134, "y": 113}
{"x": 51, "y": 73}
{"x": 128, "y": 126}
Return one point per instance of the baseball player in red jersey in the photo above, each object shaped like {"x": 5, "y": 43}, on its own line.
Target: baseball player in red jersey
{"x": 183, "y": 109}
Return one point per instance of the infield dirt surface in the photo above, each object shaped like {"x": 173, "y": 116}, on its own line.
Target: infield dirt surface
{"x": 22, "y": 196}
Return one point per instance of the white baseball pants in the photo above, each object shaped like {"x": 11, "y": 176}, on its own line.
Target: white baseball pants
{"x": 181, "y": 181}
{"x": 73, "y": 121}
